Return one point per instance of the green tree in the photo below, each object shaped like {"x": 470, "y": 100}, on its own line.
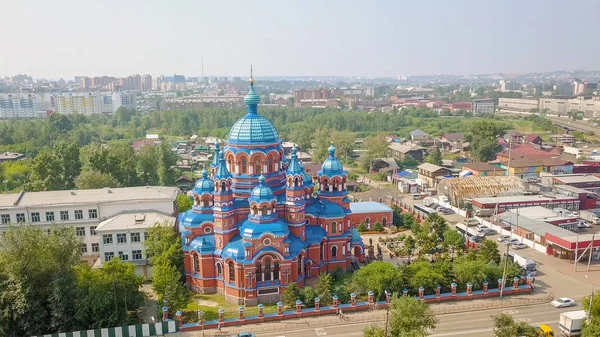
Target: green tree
{"x": 505, "y": 326}
{"x": 595, "y": 312}
{"x": 373, "y": 330}
{"x": 95, "y": 179}
{"x": 166, "y": 283}
{"x": 435, "y": 157}
{"x": 146, "y": 166}
{"x": 409, "y": 245}
{"x": 484, "y": 143}
{"x": 377, "y": 147}
{"x": 410, "y": 317}
{"x": 183, "y": 203}
{"x": 454, "y": 241}
{"x": 164, "y": 245}
{"x": 290, "y": 295}
{"x": 361, "y": 227}
{"x": 166, "y": 161}
{"x": 45, "y": 174}
{"x": 324, "y": 288}
{"x": 67, "y": 157}
{"x": 377, "y": 277}
{"x": 488, "y": 251}
{"x": 377, "y": 227}
{"x": 591, "y": 330}
{"x": 13, "y": 175}
{"x": 423, "y": 274}
{"x": 466, "y": 270}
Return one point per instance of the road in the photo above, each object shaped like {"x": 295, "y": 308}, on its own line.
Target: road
{"x": 575, "y": 125}
{"x": 467, "y": 324}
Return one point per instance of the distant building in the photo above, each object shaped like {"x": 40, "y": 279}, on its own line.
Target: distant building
{"x": 317, "y": 103}
{"x": 123, "y": 236}
{"x": 146, "y": 83}
{"x": 458, "y": 106}
{"x": 518, "y": 104}
{"x": 458, "y": 189}
{"x": 484, "y": 106}
{"x": 89, "y": 103}
{"x": 400, "y": 151}
{"x": 517, "y": 201}
{"x": 310, "y": 95}
{"x": 420, "y": 136}
{"x": 201, "y": 102}
{"x": 430, "y": 174}
{"x": 481, "y": 169}
{"x": 26, "y": 105}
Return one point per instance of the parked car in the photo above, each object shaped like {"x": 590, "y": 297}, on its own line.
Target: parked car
{"x": 563, "y": 302}
{"x": 244, "y": 334}
{"x": 478, "y": 239}
{"x": 584, "y": 224}
{"x": 575, "y": 214}
{"x": 510, "y": 241}
{"x": 501, "y": 238}
{"x": 519, "y": 245}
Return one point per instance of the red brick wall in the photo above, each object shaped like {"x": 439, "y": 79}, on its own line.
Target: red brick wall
{"x": 357, "y": 218}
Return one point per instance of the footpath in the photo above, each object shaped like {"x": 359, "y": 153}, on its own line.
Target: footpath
{"x": 370, "y": 316}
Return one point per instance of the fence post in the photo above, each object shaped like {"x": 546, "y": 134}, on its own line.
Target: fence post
{"x": 453, "y": 287}
{"x": 241, "y": 317}
{"x": 421, "y": 292}
{"x": 353, "y": 299}
{"x": 261, "y": 311}
{"x": 221, "y": 315}
{"x": 336, "y": 301}
{"x": 469, "y": 289}
{"x": 371, "y": 297}
{"x": 485, "y": 287}
{"x": 317, "y": 304}
{"x": 516, "y": 283}
{"x": 438, "y": 292}
{"x": 279, "y": 308}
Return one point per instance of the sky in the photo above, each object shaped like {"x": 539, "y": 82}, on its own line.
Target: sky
{"x": 65, "y": 38}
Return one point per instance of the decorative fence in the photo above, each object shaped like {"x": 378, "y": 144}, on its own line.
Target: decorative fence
{"x": 139, "y": 330}
{"x": 354, "y": 305}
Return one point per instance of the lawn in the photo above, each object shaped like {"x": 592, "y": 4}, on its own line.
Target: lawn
{"x": 211, "y": 304}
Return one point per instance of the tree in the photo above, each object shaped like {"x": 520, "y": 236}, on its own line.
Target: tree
{"x": 377, "y": 147}
{"x": 410, "y": 317}
{"x": 95, "y": 179}
{"x": 361, "y": 227}
{"x": 466, "y": 270}
{"x": 423, "y": 274}
{"x": 377, "y": 227}
{"x": 45, "y": 173}
{"x": 409, "y": 245}
{"x": 377, "y": 277}
{"x": 488, "y": 251}
{"x": 505, "y": 326}
{"x": 146, "y": 166}
{"x": 290, "y": 295}
{"x": 397, "y": 216}
{"x": 324, "y": 288}
{"x": 595, "y": 312}
{"x": 67, "y": 157}
{"x": 164, "y": 244}
{"x": 591, "y": 330}
{"x": 454, "y": 241}
{"x": 438, "y": 225}
{"x": 166, "y": 283}
{"x": 484, "y": 144}
{"x": 183, "y": 203}
{"x": 373, "y": 330}
{"x": 435, "y": 157}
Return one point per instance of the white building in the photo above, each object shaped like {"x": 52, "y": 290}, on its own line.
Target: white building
{"x": 83, "y": 209}
{"x": 123, "y": 236}
{"x": 88, "y": 103}
{"x": 25, "y": 105}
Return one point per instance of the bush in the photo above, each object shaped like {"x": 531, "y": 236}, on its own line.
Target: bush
{"x": 394, "y": 229}
{"x": 401, "y": 237}
{"x": 361, "y": 228}
{"x": 377, "y": 227}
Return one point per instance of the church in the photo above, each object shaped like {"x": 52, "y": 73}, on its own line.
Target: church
{"x": 259, "y": 222}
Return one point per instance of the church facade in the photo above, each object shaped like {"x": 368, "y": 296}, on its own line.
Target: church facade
{"x": 259, "y": 222}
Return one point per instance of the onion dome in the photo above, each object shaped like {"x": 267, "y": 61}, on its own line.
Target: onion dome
{"x": 262, "y": 192}
{"x": 332, "y": 166}
{"x": 294, "y": 167}
{"x": 215, "y": 161}
{"x": 204, "y": 184}
{"x": 252, "y": 128}
{"x": 222, "y": 171}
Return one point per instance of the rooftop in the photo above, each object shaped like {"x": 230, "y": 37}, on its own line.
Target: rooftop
{"x": 96, "y": 196}
{"x": 134, "y": 221}
{"x": 536, "y": 226}
{"x": 456, "y": 136}
{"x": 578, "y": 179}
{"x": 482, "y": 166}
{"x": 368, "y": 207}
{"x": 571, "y": 189}
{"x": 418, "y": 132}
{"x": 10, "y": 155}
{"x": 521, "y": 198}
{"x": 430, "y": 167}
{"x": 406, "y": 147}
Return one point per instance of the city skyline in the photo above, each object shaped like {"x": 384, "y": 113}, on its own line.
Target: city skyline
{"x": 334, "y": 38}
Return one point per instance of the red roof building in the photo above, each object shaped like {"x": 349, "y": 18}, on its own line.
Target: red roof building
{"x": 527, "y": 151}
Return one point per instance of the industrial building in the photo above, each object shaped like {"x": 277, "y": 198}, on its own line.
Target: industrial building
{"x": 518, "y": 201}
{"x": 458, "y": 189}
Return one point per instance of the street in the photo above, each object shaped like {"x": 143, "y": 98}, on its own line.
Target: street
{"x": 468, "y": 324}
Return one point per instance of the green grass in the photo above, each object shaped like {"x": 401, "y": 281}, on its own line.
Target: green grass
{"x": 231, "y": 310}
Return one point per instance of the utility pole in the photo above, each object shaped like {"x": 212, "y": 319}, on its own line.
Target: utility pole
{"x": 387, "y": 315}
{"x": 590, "y": 253}
{"x": 591, "y": 300}
{"x": 504, "y": 272}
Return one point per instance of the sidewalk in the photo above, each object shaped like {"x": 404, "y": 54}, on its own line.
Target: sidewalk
{"x": 371, "y": 316}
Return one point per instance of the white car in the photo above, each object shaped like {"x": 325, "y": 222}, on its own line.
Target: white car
{"x": 563, "y": 302}
{"x": 510, "y": 241}
{"x": 519, "y": 245}
{"x": 501, "y": 238}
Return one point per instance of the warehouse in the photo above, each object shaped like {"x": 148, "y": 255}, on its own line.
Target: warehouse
{"x": 517, "y": 201}
{"x": 458, "y": 189}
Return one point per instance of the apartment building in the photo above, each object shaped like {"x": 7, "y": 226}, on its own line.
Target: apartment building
{"x": 484, "y": 106}
{"x": 88, "y": 103}
{"x": 83, "y": 209}
{"x": 25, "y": 105}
{"x": 518, "y": 104}
{"x": 123, "y": 236}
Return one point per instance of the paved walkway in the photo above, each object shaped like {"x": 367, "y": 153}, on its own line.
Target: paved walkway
{"x": 371, "y": 316}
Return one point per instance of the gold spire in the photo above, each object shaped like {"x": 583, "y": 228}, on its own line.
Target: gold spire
{"x": 251, "y": 78}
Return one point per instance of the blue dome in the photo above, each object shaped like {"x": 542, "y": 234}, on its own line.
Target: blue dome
{"x": 262, "y": 192}
{"x": 332, "y": 166}
{"x": 294, "y": 168}
{"x": 204, "y": 185}
{"x": 251, "y": 129}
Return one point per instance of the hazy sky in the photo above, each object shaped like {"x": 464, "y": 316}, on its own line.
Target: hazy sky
{"x": 63, "y": 38}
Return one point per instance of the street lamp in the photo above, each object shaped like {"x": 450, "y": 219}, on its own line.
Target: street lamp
{"x": 201, "y": 320}
{"x": 591, "y": 300}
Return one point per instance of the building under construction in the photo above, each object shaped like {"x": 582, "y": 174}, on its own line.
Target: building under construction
{"x": 458, "y": 189}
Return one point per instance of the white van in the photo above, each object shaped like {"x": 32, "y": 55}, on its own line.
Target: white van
{"x": 470, "y": 222}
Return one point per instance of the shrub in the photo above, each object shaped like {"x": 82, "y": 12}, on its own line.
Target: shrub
{"x": 393, "y": 229}
{"x": 362, "y": 228}
{"x": 377, "y": 227}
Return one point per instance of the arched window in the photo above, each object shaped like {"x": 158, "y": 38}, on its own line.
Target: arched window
{"x": 244, "y": 168}
{"x": 268, "y": 269}
{"x": 335, "y": 185}
{"x": 254, "y": 210}
{"x": 223, "y": 186}
{"x": 196, "y": 263}
{"x": 205, "y": 202}
{"x": 219, "y": 270}
{"x": 325, "y": 185}
{"x": 368, "y": 221}
{"x": 384, "y": 221}
{"x": 259, "y": 275}
{"x": 334, "y": 227}
{"x": 230, "y": 163}
{"x": 321, "y": 251}
{"x": 257, "y": 164}
{"x": 334, "y": 252}
{"x": 231, "y": 272}
{"x": 270, "y": 165}
{"x": 300, "y": 263}
{"x": 296, "y": 182}
{"x": 276, "y": 271}
{"x": 263, "y": 210}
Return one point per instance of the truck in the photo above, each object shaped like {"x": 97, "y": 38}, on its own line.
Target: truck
{"x": 590, "y": 217}
{"x": 484, "y": 213}
{"x": 428, "y": 201}
{"x": 528, "y": 265}
{"x": 571, "y": 322}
